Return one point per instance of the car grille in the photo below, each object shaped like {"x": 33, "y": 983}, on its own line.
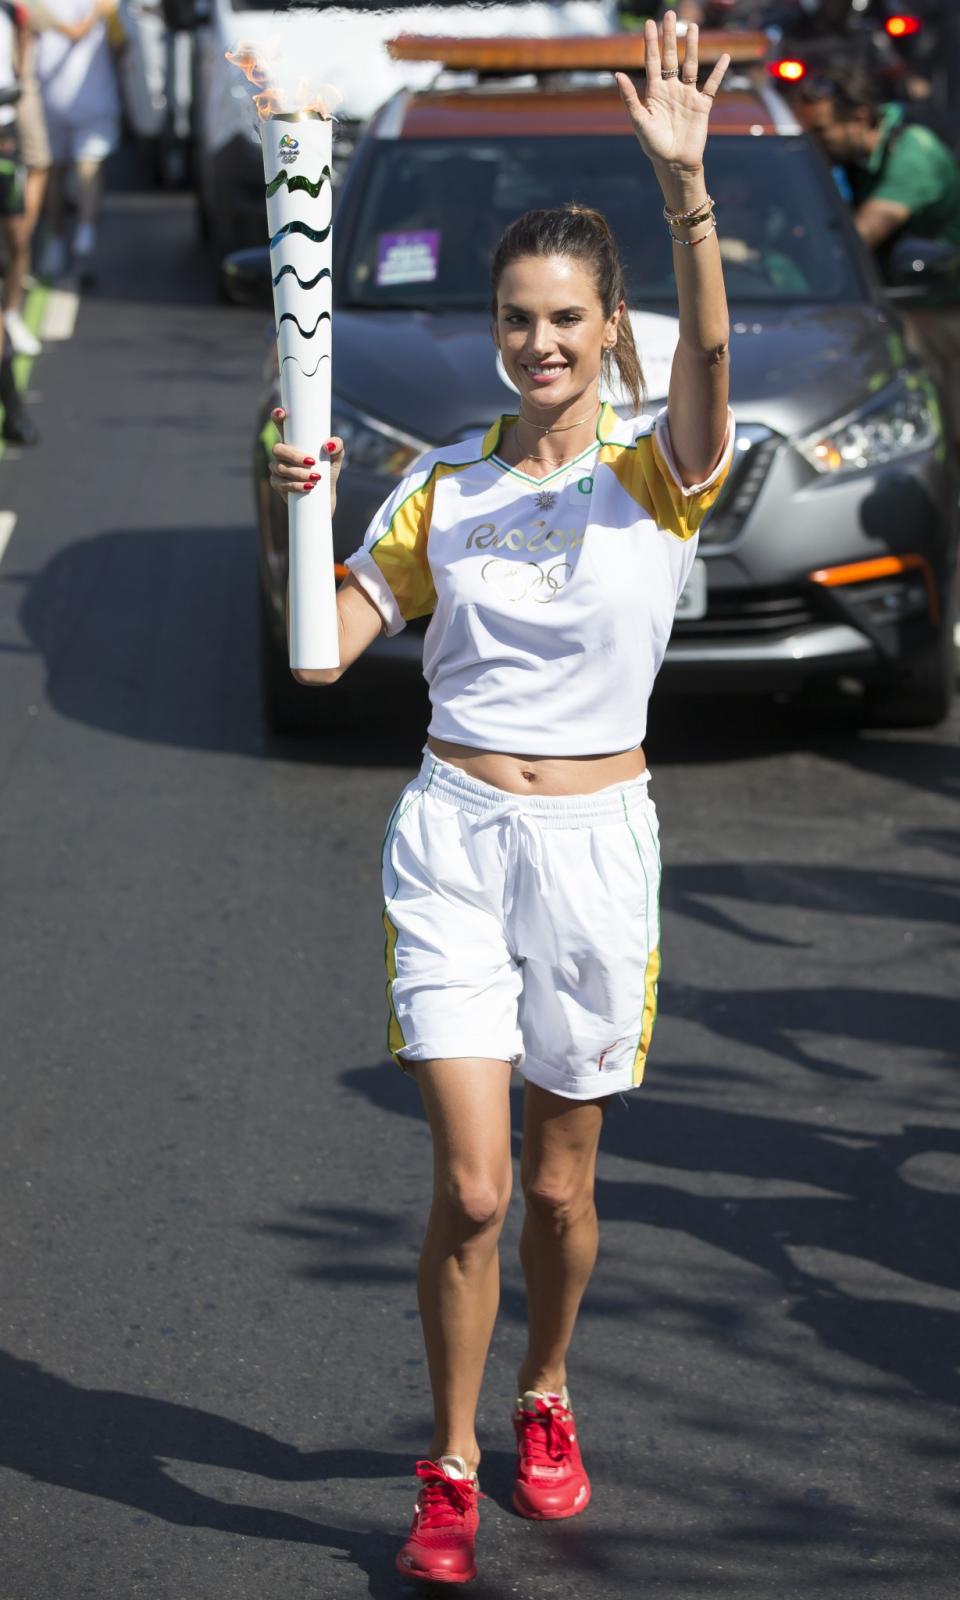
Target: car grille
{"x": 755, "y": 449}
{"x": 751, "y": 614}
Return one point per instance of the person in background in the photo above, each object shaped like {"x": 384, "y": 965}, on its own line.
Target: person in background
{"x": 903, "y": 182}
{"x": 35, "y": 151}
{"x": 81, "y": 100}
{"x": 17, "y": 426}
{"x": 902, "y": 177}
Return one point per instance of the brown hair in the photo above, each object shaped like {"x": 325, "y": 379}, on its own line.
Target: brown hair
{"x": 574, "y": 230}
{"x": 855, "y": 91}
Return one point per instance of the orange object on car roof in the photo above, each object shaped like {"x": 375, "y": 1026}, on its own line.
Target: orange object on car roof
{"x": 610, "y": 52}
{"x": 586, "y": 112}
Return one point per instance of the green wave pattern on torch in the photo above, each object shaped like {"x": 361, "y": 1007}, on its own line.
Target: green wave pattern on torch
{"x": 299, "y": 183}
{"x": 309, "y": 283}
{"x": 306, "y": 374}
{"x": 318, "y": 235}
{"x": 288, "y": 316}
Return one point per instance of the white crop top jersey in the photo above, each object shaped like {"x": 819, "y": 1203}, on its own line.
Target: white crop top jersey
{"x": 552, "y": 599}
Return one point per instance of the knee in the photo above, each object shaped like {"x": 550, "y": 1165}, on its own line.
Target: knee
{"x": 559, "y": 1202}
{"x": 475, "y": 1203}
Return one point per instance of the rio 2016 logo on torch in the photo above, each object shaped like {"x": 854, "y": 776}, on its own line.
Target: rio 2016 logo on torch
{"x": 289, "y": 149}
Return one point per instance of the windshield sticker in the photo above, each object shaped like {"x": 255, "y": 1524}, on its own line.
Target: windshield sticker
{"x": 407, "y": 257}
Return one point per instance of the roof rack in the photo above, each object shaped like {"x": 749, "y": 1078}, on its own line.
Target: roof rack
{"x": 572, "y": 53}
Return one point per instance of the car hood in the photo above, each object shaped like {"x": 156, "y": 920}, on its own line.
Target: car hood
{"x": 436, "y": 376}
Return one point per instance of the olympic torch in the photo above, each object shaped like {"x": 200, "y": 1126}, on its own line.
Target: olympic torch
{"x": 296, "y": 137}
{"x": 296, "y": 167}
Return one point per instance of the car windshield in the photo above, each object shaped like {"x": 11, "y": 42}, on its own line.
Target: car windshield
{"x": 432, "y": 210}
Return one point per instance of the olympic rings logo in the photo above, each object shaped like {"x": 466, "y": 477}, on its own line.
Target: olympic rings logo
{"x": 515, "y": 581}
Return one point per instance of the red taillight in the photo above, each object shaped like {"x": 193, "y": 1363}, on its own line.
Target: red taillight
{"x": 788, "y": 71}
{"x": 902, "y": 27}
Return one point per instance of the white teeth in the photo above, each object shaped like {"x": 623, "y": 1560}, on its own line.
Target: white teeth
{"x": 542, "y": 372}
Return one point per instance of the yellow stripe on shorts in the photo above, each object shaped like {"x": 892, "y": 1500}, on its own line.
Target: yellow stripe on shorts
{"x": 395, "y": 1039}
{"x": 650, "y": 979}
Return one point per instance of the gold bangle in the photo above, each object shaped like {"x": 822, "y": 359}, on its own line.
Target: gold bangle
{"x": 683, "y": 216}
{"x": 694, "y": 222}
{"x": 692, "y": 242}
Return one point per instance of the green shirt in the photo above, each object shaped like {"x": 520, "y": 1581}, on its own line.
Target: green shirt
{"x": 911, "y": 167}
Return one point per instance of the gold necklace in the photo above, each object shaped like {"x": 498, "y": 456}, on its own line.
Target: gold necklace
{"x": 566, "y": 426}
{"x": 555, "y": 466}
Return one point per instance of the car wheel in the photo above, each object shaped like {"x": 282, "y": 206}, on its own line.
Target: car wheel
{"x": 923, "y": 696}
{"x": 290, "y": 709}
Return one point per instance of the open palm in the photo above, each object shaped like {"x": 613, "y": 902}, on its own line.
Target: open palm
{"x": 671, "y": 121}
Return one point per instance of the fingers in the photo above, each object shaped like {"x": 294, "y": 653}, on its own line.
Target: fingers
{"x": 278, "y": 414}
{"x": 651, "y": 51}
{"x": 668, "y": 52}
{"x": 628, "y": 94}
{"x": 716, "y": 77}
{"x": 691, "y": 54}
{"x": 292, "y": 471}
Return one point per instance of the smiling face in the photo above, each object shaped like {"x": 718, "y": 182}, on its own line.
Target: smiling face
{"x": 552, "y": 331}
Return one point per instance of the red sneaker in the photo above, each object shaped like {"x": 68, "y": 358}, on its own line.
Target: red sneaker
{"x": 445, "y": 1522}
{"x": 551, "y": 1482}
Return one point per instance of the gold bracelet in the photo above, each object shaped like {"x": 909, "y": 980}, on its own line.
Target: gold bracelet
{"x": 692, "y": 242}
{"x": 694, "y": 222}
{"x": 684, "y": 216}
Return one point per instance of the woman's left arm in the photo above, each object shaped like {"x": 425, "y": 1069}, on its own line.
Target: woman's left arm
{"x": 671, "y": 125}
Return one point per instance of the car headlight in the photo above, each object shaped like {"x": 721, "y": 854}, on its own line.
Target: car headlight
{"x": 904, "y": 420}
{"x": 372, "y": 444}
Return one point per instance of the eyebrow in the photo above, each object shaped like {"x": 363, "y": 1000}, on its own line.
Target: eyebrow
{"x": 561, "y": 311}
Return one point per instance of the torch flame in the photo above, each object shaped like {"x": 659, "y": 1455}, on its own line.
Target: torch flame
{"x": 273, "y": 97}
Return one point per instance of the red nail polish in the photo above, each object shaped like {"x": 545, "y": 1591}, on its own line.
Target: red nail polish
{"x": 309, "y": 461}
{"x": 314, "y": 477}
{"x": 330, "y": 447}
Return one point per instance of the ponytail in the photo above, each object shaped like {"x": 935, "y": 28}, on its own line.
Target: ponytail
{"x": 577, "y": 231}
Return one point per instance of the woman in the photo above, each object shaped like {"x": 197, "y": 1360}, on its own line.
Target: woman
{"x": 81, "y": 101}
{"x": 521, "y": 917}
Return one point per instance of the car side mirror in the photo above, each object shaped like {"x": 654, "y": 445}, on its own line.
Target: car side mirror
{"x": 245, "y": 277}
{"x": 922, "y": 274}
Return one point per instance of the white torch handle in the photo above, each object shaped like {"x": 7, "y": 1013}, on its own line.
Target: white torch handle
{"x": 296, "y": 162}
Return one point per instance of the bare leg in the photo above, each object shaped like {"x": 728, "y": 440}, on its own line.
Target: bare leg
{"x": 89, "y": 187}
{"x": 34, "y": 196}
{"x": 16, "y": 235}
{"x": 558, "y": 1245}
{"x": 458, "y": 1283}
{"x": 56, "y": 184}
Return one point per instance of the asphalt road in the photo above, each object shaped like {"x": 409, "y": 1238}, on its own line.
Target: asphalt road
{"x": 212, "y": 1183}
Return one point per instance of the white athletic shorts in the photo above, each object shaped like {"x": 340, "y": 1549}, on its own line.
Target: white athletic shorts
{"x": 523, "y": 928}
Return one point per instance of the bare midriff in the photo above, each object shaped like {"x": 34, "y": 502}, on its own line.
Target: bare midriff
{"x": 520, "y": 774}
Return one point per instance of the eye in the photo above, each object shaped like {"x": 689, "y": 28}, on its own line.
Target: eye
{"x": 568, "y": 317}
{"x": 514, "y": 318}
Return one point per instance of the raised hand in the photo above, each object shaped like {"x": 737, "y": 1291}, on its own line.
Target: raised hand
{"x": 671, "y": 121}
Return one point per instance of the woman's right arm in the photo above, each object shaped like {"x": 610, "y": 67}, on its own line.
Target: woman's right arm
{"x": 358, "y": 619}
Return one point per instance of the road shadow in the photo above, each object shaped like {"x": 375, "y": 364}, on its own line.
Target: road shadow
{"x": 115, "y": 1447}
{"x": 867, "y": 1208}
{"x": 153, "y": 634}
{"x": 802, "y": 886}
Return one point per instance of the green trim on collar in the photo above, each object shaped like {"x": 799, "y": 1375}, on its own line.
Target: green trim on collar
{"x": 494, "y": 434}
{"x": 558, "y": 472}
{"x": 606, "y": 422}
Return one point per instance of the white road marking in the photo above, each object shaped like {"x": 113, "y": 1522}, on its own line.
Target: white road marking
{"x": 8, "y": 521}
{"x": 59, "y": 315}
